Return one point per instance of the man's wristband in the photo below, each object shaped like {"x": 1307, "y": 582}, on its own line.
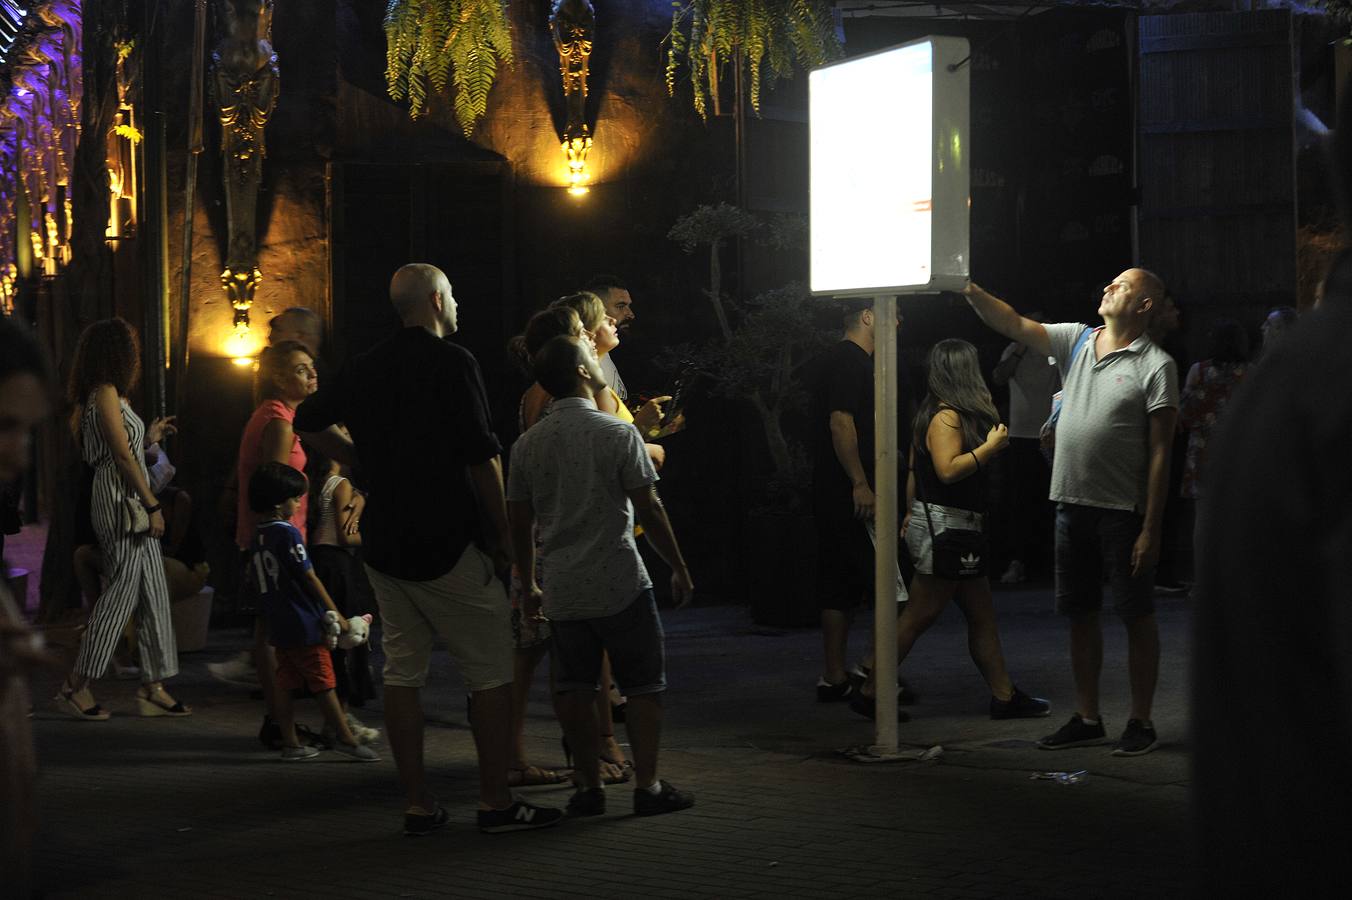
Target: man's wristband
{"x": 152, "y": 509}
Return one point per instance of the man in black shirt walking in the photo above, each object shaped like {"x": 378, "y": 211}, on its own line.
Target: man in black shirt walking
{"x": 434, "y": 535}
{"x": 842, "y": 492}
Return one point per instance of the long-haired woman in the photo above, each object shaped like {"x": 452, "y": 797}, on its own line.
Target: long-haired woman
{"x": 112, "y": 440}
{"x": 956, "y": 435}
{"x": 286, "y": 376}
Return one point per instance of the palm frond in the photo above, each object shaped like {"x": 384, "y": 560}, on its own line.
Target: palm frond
{"x": 436, "y": 45}
{"x": 786, "y": 34}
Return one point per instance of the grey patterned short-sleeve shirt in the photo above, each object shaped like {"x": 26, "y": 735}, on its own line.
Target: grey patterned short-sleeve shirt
{"x": 1103, "y": 434}
{"x": 575, "y": 468}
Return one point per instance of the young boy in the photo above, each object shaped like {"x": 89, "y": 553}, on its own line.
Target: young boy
{"x": 294, "y": 601}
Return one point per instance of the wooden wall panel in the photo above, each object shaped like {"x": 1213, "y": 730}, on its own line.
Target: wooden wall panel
{"x": 1218, "y": 201}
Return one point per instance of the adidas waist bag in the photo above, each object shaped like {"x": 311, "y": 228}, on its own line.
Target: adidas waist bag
{"x": 958, "y": 553}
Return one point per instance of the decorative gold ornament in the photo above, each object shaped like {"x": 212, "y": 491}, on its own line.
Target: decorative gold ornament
{"x": 246, "y": 84}
{"x": 573, "y": 26}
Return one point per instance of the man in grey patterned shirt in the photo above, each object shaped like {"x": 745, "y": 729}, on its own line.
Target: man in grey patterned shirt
{"x": 1110, "y": 476}
{"x": 581, "y": 475}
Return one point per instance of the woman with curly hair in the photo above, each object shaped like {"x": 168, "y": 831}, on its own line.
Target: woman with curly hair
{"x": 112, "y": 440}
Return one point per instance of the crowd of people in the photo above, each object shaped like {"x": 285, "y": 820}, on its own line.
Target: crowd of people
{"x": 380, "y": 489}
{"x": 1087, "y": 465}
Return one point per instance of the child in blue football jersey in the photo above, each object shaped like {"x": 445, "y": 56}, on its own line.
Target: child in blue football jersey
{"x": 294, "y": 601}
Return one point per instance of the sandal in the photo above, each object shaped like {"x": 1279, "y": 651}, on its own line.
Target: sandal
{"x": 611, "y": 771}
{"x": 65, "y": 702}
{"x": 532, "y": 776}
{"x": 616, "y": 773}
{"x": 153, "y": 703}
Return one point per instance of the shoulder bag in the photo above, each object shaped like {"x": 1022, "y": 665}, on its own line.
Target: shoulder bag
{"x": 955, "y": 553}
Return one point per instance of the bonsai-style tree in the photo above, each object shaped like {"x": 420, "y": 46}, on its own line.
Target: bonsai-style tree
{"x": 762, "y": 341}
{"x": 706, "y": 34}
{"x": 436, "y": 41}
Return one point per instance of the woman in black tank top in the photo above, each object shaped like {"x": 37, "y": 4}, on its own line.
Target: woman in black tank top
{"x": 957, "y": 434}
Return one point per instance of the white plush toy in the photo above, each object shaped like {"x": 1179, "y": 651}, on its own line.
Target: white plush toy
{"x": 359, "y": 628}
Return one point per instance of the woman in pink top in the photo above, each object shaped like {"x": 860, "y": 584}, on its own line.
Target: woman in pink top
{"x": 286, "y": 376}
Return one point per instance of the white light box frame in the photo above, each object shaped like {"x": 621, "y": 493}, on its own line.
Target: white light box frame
{"x": 890, "y": 171}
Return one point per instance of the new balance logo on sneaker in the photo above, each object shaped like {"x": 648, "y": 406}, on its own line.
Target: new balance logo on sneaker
{"x": 520, "y": 816}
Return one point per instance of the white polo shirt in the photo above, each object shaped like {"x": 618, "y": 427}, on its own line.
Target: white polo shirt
{"x": 1103, "y": 434}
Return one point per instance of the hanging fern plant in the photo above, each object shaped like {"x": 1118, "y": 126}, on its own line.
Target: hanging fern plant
{"x": 430, "y": 43}
{"x": 706, "y": 34}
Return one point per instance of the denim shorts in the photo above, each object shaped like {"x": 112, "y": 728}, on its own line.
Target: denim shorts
{"x": 632, "y": 637}
{"x": 1091, "y": 543}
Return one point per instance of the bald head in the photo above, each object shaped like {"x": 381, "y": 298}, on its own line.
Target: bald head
{"x": 421, "y": 295}
{"x": 1148, "y": 284}
{"x": 1131, "y": 298}
{"x": 297, "y": 324}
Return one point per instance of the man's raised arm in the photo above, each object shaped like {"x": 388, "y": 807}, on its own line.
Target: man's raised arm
{"x": 1001, "y": 317}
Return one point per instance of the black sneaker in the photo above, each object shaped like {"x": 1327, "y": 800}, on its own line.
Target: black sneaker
{"x": 669, "y": 800}
{"x": 1020, "y": 706}
{"x": 520, "y": 816}
{"x": 906, "y": 696}
{"x": 587, "y": 802}
{"x": 1074, "y": 733}
{"x": 270, "y": 734}
{"x": 868, "y": 708}
{"x": 830, "y": 693}
{"x": 311, "y": 738}
{"x": 421, "y": 824}
{"x": 1137, "y": 739}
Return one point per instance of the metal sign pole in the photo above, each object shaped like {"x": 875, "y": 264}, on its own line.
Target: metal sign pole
{"x": 886, "y": 523}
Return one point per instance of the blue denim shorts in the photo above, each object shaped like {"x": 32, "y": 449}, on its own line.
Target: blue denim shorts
{"x": 1091, "y": 543}
{"x": 633, "y": 638}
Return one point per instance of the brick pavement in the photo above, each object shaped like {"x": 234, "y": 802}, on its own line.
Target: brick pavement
{"x": 150, "y": 808}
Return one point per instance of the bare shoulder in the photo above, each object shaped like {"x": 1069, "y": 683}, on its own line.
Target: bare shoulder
{"x": 946, "y": 417}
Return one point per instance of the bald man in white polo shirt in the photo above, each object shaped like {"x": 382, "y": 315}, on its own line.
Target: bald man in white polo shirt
{"x": 1110, "y": 477}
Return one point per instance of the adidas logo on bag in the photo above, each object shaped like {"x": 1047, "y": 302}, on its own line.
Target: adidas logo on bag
{"x": 970, "y": 562}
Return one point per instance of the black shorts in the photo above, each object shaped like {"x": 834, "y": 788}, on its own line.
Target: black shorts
{"x": 844, "y": 563}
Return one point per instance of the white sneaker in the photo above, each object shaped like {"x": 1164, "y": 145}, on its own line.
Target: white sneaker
{"x": 296, "y": 754}
{"x": 362, "y": 733}
{"x": 238, "y": 671}
{"x": 359, "y": 752}
{"x": 1014, "y": 574}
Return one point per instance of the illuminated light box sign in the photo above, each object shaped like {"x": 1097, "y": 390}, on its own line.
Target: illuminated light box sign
{"x": 890, "y": 176}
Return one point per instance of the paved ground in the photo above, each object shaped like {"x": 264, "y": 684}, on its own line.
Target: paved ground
{"x": 175, "y": 808}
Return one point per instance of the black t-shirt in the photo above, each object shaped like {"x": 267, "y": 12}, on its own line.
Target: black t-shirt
{"x": 418, "y": 413}
{"x": 969, "y": 493}
{"x": 843, "y": 382}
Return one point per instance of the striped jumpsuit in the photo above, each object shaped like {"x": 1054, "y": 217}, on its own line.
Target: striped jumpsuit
{"x": 131, "y": 563}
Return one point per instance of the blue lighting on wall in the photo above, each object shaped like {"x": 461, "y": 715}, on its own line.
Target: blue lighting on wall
{"x": 11, "y": 20}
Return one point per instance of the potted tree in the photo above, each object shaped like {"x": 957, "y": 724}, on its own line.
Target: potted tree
{"x": 756, "y": 359}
